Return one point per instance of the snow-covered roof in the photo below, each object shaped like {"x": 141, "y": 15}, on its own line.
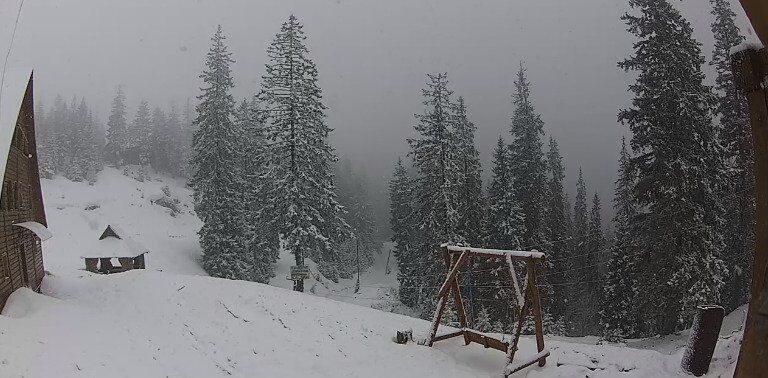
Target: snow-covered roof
{"x": 496, "y": 252}
{"x": 41, "y": 231}
{"x": 14, "y": 85}
{"x": 112, "y": 246}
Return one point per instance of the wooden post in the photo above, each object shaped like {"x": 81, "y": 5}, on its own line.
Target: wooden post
{"x": 750, "y": 68}
{"x": 536, "y": 306}
{"x": 702, "y": 340}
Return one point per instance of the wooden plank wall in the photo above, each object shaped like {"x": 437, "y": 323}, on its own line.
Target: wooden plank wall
{"x": 22, "y": 170}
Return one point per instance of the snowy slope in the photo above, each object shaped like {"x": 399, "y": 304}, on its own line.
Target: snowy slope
{"x": 78, "y": 213}
{"x": 172, "y": 320}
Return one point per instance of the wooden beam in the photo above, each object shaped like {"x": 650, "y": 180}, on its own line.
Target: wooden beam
{"x": 446, "y": 336}
{"x": 749, "y": 68}
{"x": 452, "y": 275}
{"x": 485, "y": 340}
{"x": 511, "y": 369}
{"x": 436, "y": 320}
{"x": 757, "y": 11}
{"x": 536, "y": 306}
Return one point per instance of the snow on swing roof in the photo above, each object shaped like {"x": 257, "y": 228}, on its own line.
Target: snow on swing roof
{"x": 14, "y": 86}
{"x": 497, "y": 252}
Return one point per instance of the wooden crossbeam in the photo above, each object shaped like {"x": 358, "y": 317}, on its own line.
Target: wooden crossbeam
{"x": 447, "y": 336}
{"x": 485, "y": 340}
{"x": 451, "y": 276}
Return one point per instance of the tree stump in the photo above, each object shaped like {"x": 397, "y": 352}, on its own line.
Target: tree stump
{"x": 703, "y": 338}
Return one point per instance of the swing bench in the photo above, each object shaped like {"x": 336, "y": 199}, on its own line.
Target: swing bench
{"x": 455, "y": 257}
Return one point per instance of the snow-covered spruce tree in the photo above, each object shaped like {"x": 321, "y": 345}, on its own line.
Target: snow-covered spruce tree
{"x": 677, "y": 163}
{"x": 140, "y": 136}
{"x": 470, "y": 205}
{"x": 159, "y": 141}
{"x": 736, "y": 140}
{"x": 175, "y": 145}
{"x": 81, "y": 159}
{"x": 401, "y": 221}
{"x": 260, "y": 241}
{"x": 558, "y": 231}
{"x": 187, "y": 130}
{"x": 618, "y": 310}
{"x": 352, "y": 190}
{"x": 504, "y": 228}
{"x": 117, "y": 129}
{"x": 436, "y": 187}
{"x": 215, "y": 174}
{"x": 505, "y": 223}
{"x": 577, "y": 309}
{"x": 593, "y": 268}
{"x": 302, "y": 201}
{"x": 527, "y": 162}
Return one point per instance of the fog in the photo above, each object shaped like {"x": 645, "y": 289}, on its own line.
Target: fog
{"x": 373, "y": 57}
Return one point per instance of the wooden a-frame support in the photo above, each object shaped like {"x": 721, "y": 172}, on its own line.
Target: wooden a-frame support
{"x": 455, "y": 257}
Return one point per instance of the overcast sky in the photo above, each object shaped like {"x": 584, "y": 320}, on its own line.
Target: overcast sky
{"x": 373, "y": 57}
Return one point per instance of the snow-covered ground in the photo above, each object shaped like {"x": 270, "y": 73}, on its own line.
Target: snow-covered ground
{"x": 172, "y": 320}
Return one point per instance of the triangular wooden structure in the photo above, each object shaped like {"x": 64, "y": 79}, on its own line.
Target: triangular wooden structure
{"x": 455, "y": 257}
{"x": 109, "y": 232}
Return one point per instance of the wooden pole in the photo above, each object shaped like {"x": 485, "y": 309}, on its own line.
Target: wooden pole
{"x": 757, "y": 11}
{"x": 702, "y": 340}
{"x": 536, "y": 306}
{"x": 750, "y": 68}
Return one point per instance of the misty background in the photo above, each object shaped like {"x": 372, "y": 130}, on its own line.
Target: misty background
{"x": 372, "y": 56}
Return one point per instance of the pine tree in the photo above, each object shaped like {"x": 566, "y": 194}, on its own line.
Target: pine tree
{"x": 352, "y": 189}
{"x": 736, "y": 139}
{"x": 159, "y": 141}
{"x": 400, "y": 219}
{"x": 176, "y": 160}
{"x": 470, "y": 205}
{"x": 262, "y": 243}
{"x": 618, "y": 315}
{"x": 558, "y": 230}
{"x": 117, "y": 129}
{"x": 577, "y": 270}
{"x": 677, "y": 162}
{"x": 215, "y": 174}
{"x": 505, "y": 224}
{"x": 140, "y": 135}
{"x": 592, "y": 270}
{"x": 504, "y": 228}
{"x": 436, "y": 190}
{"x": 527, "y": 159}
{"x": 483, "y": 321}
{"x": 303, "y": 203}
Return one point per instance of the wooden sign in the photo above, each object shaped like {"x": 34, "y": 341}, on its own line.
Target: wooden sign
{"x": 299, "y": 273}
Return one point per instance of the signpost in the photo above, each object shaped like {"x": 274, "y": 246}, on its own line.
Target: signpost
{"x": 299, "y": 273}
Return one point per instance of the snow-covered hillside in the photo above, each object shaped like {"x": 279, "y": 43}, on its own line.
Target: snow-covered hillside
{"x": 172, "y": 320}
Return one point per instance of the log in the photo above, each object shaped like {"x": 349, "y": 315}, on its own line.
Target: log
{"x": 702, "y": 341}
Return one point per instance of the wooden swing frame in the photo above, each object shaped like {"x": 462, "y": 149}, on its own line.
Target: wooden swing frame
{"x": 455, "y": 258}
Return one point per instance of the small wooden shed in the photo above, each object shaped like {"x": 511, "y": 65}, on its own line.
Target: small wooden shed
{"x": 113, "y": 246}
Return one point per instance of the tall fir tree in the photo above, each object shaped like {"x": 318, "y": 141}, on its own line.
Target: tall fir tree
{"x": 260, "y": 241}
{"x": 470, "y": 205}
{"x": 140, "y": 135}
{"x": 527, "y": 159}
{"x": 677, "y": 162}
{"x": 558, "y": 230}
{"x": 302, "y": 199}
{"x": 618, "y": 315}
{"x": 577, "y": 317}
{"x": 215, "y": 174}
{"x": 436, "y": 188}
{"x": 593, "y": 267}
{"x": 117, "y": 129}
{"x": 736, "y": 139}
{"x": 401, "y": 207}
{"x": 504, "y": 228}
